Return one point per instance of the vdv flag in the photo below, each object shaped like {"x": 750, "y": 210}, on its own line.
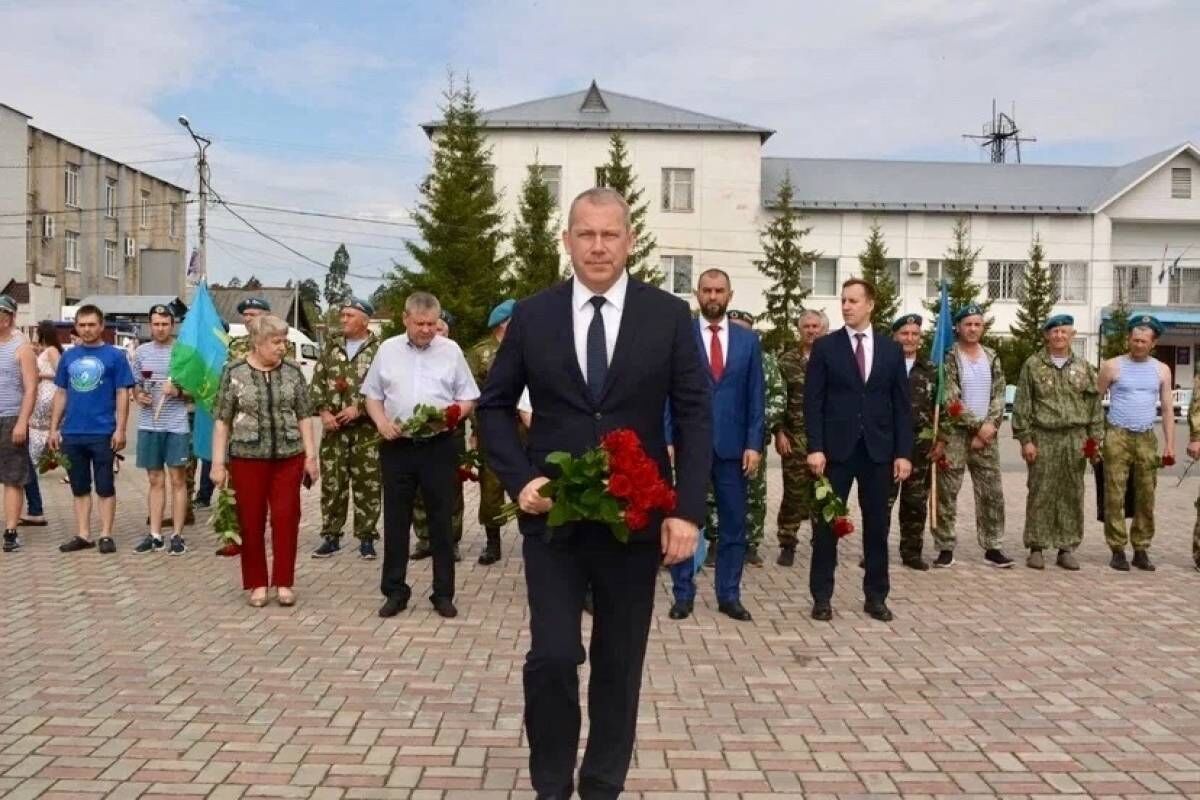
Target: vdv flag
{"x": 943, "y": 338}
{"x": 196, "y": 362}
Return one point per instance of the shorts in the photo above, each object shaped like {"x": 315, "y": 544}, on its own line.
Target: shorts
{"x": 90, "y": 456}
{"x": 14, "y": 458}
{"x": 158, "y": 449}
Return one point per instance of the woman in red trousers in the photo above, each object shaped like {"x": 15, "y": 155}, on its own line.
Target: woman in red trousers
{"x": 264, "y": 421}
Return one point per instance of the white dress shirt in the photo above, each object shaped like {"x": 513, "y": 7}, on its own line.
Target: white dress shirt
{"x": 582, "y": 313}
{"x": 523, "y": 404}
{"x": 908, "y": 365}
{"x": 403, "y": 376}
{"x": 868, "y": 344}
{"x": 722, "y": 337}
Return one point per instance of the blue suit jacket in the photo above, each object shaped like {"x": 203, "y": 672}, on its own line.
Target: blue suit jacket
{"x": 738, "y": 399}
{"x": 839, "y": 408}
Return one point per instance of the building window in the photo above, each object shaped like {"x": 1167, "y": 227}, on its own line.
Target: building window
{"x": 678, "y": 273}
{"x": 145, "y": 209}
{"x": 1079, "y": 347}
{"x": 820, "y": 277}
{"x": 893, "y": 268}
{"x": 71, "y": 251}
{"x": 1181, "y": 183}
{"x": 110, "y": 259}
{"x": 1185, "y": 286}
{"x": 933, "y": 278}
{"x": 1070, "y": 281}
{"x": 677, "y": 187}
{"x": 552, "y": 177}
{"x": 1131, "y": 283}
{"x": 1006, "y": 280}
{"x": 601, "y": 178}
{"x": 72, "y": 185}
{"x": 174, "y": 220}
{"x": 110, "y": 199}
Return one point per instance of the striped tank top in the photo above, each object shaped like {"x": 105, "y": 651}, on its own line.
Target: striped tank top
{"x": 975, "y": 378}
{"x": 1134, "y": 394}
{"x": 12, "y": 390}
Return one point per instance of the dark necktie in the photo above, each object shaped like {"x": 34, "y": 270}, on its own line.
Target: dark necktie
{"x": 597, "y": 350}
{"x": 860, "y": 356}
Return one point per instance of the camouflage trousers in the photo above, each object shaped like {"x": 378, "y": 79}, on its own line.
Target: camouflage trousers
{"x": 491, "y": 498}
{"x": 1196, "y": 536}
{"x": 1124, "y": 452}
{"x": 420, "y": 521}
{"x": 756, "y": 509}
{"x": 350, "y": 463}
{"x": 914, "y": 507}
{"x": 796, "y": 506}
{"x": 1054, "y": 485}
{"x": 984, "y": 466}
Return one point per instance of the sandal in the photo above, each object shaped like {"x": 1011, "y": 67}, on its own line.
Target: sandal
{"x": 258, "y": 600}
{"x": 285, "y": 596}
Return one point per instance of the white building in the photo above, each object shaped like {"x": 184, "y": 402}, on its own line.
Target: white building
{"x": 1131, "y": 230}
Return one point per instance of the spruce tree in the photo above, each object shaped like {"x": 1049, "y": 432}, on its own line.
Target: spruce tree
{"x": 958, "y": 268}
{"x": 873, "y": 260}
{"x": 618, "y": 174}
{"x": 459, "y": 219}
{"x": 785, "y": 264}
{"x": 1036, "y": 303}
{"x": 1114, "y": 331}
{"x": 536, "y": 256}
{"x": 337, "y": 288}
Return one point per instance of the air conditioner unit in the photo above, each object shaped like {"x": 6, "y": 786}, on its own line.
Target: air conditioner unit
{"x": 916, "y": 267}
{"x": 47, "y": 227}
{"x": 130, "y": 247}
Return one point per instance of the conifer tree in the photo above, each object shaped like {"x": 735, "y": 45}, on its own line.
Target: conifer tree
{"x": 785, "y": 264}
{"x": 874, "y": 263}
{"x": 1036, "y": 303}
{"x": 536, "y": 257}
{"x": 618, "y": 174}
{"x": 337, "y": 288}
{"x": 958, "y": 271}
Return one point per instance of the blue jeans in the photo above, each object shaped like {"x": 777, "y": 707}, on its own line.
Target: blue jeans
{"x": 729, "y": 487}
{"x": 90, "y": 456}
{"x": 33, "y": 492}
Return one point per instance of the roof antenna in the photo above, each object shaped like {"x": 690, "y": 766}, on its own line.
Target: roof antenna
{"x": 1000, "y": 135}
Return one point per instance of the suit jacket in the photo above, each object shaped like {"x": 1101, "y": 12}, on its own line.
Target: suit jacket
{"x": 738, "y": 399}
{"x": 654, "y": 362}
{"x": 839, "y": 408}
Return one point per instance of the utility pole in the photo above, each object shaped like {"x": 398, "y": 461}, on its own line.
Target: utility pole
{"x": 202, "y": 145}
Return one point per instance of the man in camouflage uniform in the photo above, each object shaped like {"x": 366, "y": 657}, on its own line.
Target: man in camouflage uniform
{"x": 1135, "y": 383}
{"x": 349, "y": 443}
{"x": 491, "y": 493}
{"x": 914, "y": 492}
{"x": 1056, "y": 410}
{"x": 420, "y": 522}
{"x": 791, "y": 439}
{"x": 1193, "y": 451}
{"x": 968, "y": 427}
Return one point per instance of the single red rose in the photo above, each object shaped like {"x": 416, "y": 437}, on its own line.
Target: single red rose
{"x": 1168, "y": 461}
{"x": 620, "y": 487}
{"x": 842, "y": 526}
{"x": 453, "y": 416}
{"x": 1090, "y": 448}
{"x": 636, "y": 519}
{"x": 669, "y": 500}
{"x": 955, "y": 409}
{"x": 341, "y": 385}
{"x": 943, "y": 463}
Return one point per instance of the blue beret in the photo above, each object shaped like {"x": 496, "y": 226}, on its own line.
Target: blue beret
{"x": 1146, "y": 321}
{"x": 359, "y": 305}
{"x": 742, "y": 316}
{"x": 1057, "y": 321}
{"x": 8, "y": 304}
{"x": 501, "y": 313}
{"x": 162, "y": 310}
{"x": 253, "y": 302}
{"x": 971, "y": 310}
{"x": 907, "y": 319}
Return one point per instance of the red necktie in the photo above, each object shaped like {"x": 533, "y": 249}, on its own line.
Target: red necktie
{"x": 860, "y": 356}
{"x": 716, "y": 358}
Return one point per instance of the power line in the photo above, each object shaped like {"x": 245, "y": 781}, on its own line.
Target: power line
{"x": 109, "y": 163}
{"x": 326, "y": 214}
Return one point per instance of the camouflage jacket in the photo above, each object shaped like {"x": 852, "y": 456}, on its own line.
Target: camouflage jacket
{"x": 239, "y": 347}
{"x": 776, "y": 395}
{"x": 793, "y": 365}
{"x": 480, "y": 358}
{"x": 995, "y": 412}
{"x": 337, "y": 377}
{"x": 922, "y": 380}
{"x": 1054, "y": 398}
{"x": 1194, "y": 412}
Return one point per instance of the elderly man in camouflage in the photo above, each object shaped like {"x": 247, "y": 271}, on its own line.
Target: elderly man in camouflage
{"x": 791, "y": 440}
{"x": 1056, "y": 411}
{"x": 349, "y": 442}
{"x": 1135, "y": 382}
{"x": 1193, "y": 451}
{"x": 969, "y": 424}
{"x": 491, "y": 493}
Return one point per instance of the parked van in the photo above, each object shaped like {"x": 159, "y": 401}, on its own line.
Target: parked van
{"x": 301, "y": 349}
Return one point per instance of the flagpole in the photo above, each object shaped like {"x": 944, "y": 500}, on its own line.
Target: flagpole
{"x": 933, "y": 470}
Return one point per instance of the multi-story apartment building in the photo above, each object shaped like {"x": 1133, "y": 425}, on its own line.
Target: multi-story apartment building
{"x": 1130, "y": 231}
{"x": 75, "y": 223}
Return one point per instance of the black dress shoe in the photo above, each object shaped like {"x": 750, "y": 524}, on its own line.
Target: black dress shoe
{"x": 680, "y": 610}
{"x": 445, "y": 607}
{"x": 735, "y": 610}
{"x": 916, "y": 562}
{"x": 878, "y": 611}
{"x": 393, "y": 606}
{"x": 822, "y": 612}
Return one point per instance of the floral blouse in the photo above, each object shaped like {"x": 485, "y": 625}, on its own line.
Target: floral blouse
{"x": 263, "y": 410}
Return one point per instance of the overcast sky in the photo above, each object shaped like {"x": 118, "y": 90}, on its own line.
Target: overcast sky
{"x": 316, "y": 105}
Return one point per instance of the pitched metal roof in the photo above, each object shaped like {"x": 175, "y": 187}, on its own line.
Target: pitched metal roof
{"x": 281, "y": 300}
{"x": 937, "y": 186}
{"x": 130, "y": 305}
{"x": 594, "y": 109}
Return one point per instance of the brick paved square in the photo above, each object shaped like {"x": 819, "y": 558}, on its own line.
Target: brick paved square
{"x": 133, "y": 676}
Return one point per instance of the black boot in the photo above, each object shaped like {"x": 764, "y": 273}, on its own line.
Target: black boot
{"x": 491, "y": 551}
{"x": 787, "y": 555}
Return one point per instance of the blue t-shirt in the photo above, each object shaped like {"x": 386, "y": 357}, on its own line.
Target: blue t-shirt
{"x": 91, "y": 376}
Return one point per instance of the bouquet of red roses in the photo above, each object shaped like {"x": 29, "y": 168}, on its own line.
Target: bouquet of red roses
{"x": 53, "y": 459}
{"x": 427, "y": 421}
{"x": 615, "y": 483}
{"x": 831, "y": 508}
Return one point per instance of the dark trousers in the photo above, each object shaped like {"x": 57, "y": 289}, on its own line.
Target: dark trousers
{"x": 729, "y": 489}
{"x": 33, "y": 492}
{"x": 427, "y": 465}
{"x": 623, "y": 579}
{"x": 874, "y": 484}
{"x": 204, "y": 492}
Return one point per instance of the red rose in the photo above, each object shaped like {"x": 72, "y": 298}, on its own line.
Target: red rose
{"x": 842, "y": 526}
{"x": 620, "y": 486}
{"x": 636, "y": 519}
{"x": 1168, "y": 461}
{"x": 1090, "y": 448}
{"x": 665, "y": 498}
{"x": 955, "y": 409}
{"x": 453, "y": 416}
{"x": 943, "y": 463}
{"x": 341, "y": 385}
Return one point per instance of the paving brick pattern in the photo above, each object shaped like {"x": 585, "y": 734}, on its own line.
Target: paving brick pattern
{"x": 149, "y": 677}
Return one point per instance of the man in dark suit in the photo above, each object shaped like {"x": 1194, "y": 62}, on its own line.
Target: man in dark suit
{"x": 732, "y": 357}
{"x": 859, "y": 421}
{"x": 598, "y": 352}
